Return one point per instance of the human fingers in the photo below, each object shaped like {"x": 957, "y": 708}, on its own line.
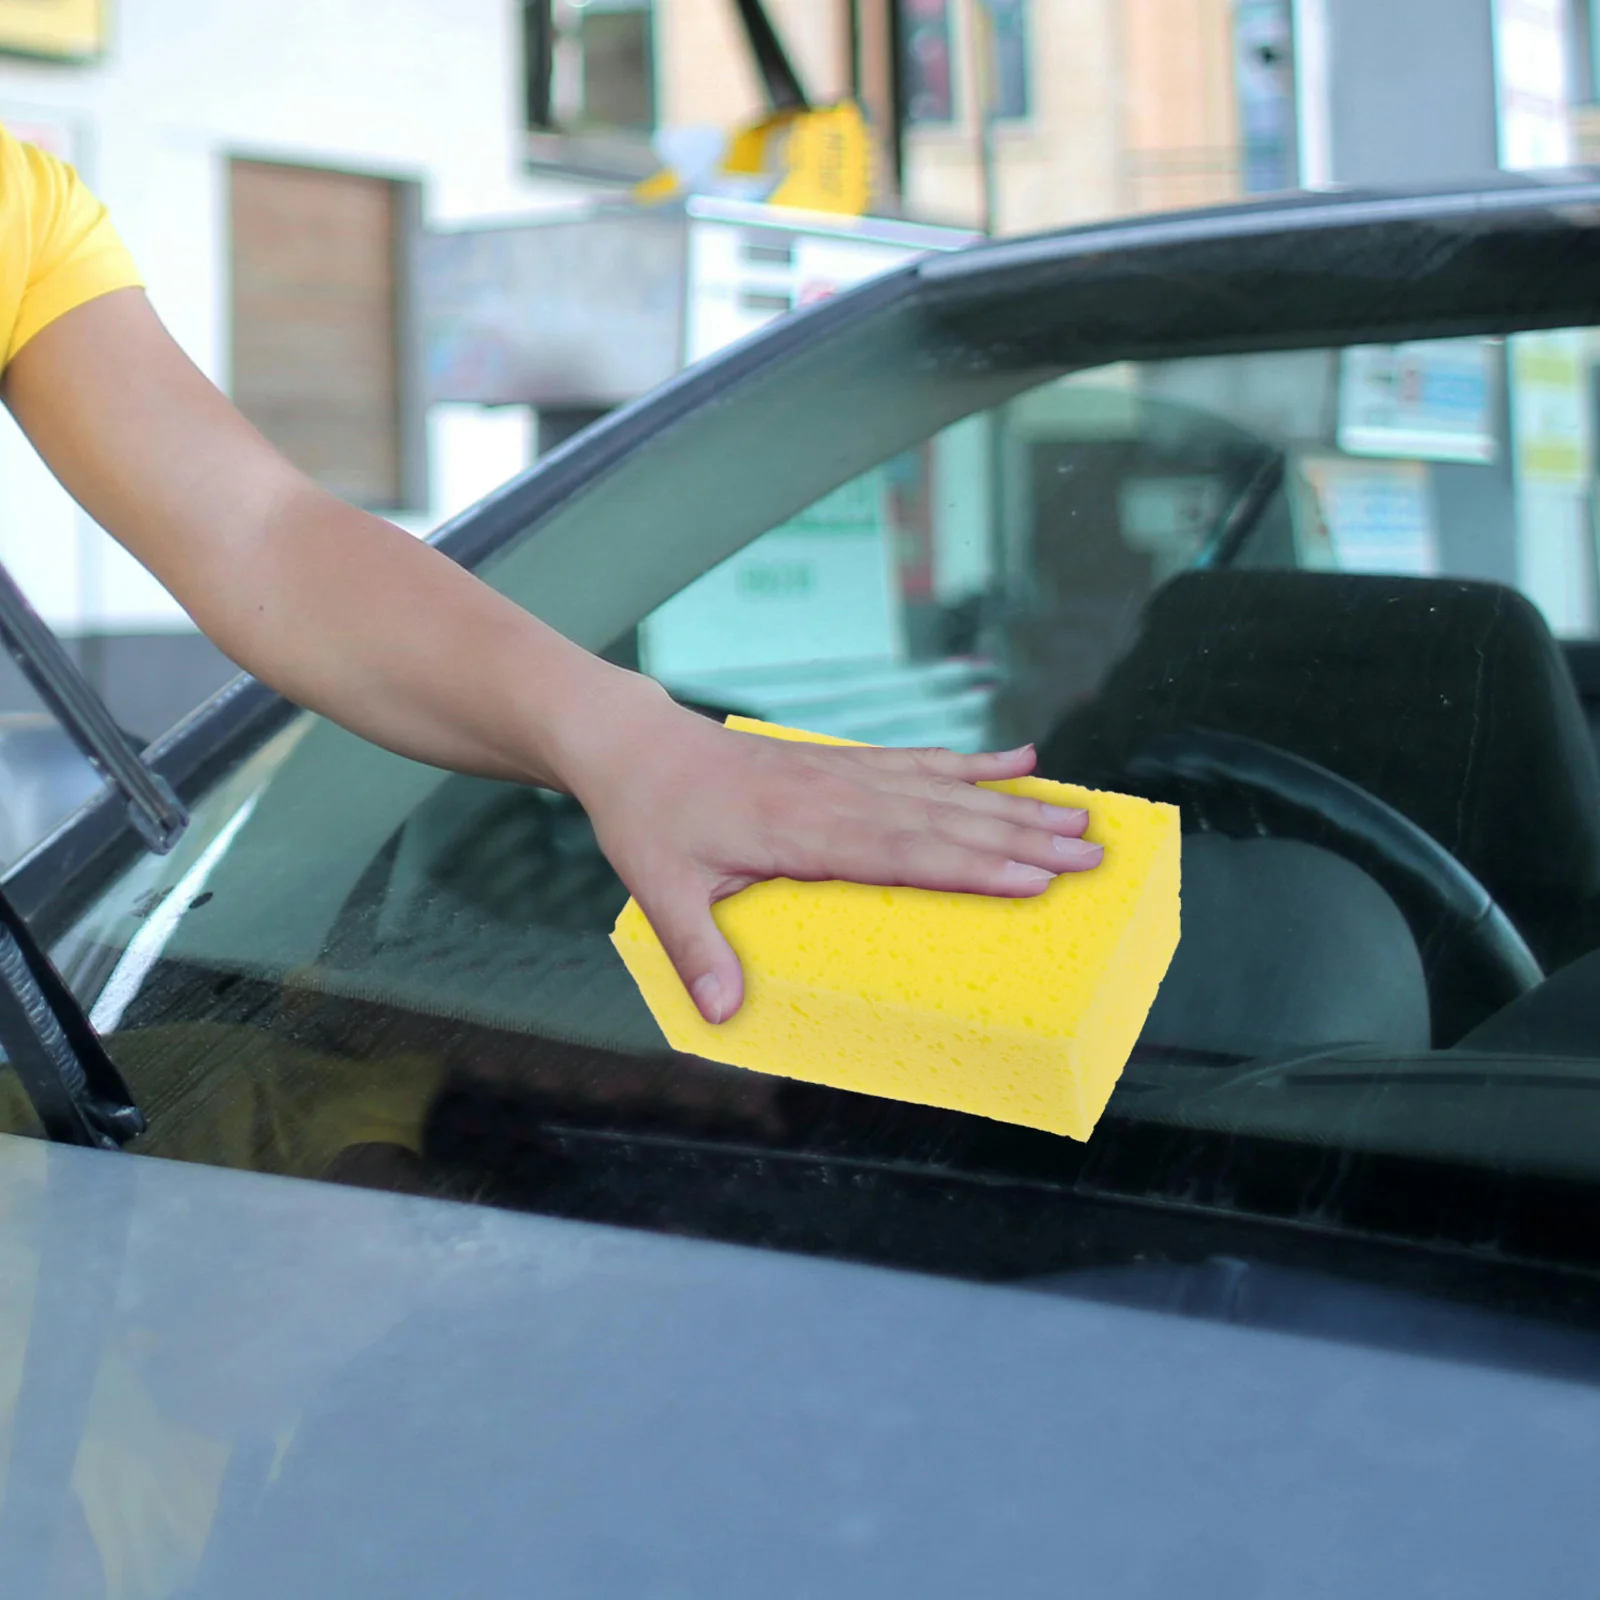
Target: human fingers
{"x": 678, "y": 909}
{"x": 937, "y": 762}
{"x": 988, "y": 834}
{"x": 1020, "y": 810}
{"x": 856, "y": 835}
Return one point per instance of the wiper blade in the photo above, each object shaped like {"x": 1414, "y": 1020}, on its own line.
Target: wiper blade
{"x": 1525, "y": 1071}
{"x": 153, "y": 808}
{"x": 74, "y": 1086}
{"x": 1363, "y": 1066}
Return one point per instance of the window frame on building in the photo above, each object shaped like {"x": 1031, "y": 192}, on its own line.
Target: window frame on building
{"x": 556, "y": 61}
{"x": 950, "y": 23}
{"x": 399, "y": 484}
{"x": 934, "y": 20}
{"x": 1011, "y": 36}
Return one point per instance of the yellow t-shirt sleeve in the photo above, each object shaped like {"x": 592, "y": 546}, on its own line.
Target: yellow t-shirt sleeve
{"x": 71, "y": 252}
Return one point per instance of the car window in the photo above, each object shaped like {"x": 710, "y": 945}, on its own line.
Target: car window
{"x": 1377, "y": 560}
{"x": 963, "y": 591}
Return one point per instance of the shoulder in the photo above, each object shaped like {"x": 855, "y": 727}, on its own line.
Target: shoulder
{"x": 58, "y": 248}
{"x": 17, "y": 176}
{"x": 36, "y": 189}
{"x": 42, "y": 184}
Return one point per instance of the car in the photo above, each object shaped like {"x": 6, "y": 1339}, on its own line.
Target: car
{"x": 361, "y": 1236}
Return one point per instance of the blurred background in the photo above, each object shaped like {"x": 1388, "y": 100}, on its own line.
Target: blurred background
{"x": 421, "y": 242}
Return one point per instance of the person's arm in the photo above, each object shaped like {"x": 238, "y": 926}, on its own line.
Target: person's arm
{"x": 348, "y": 615}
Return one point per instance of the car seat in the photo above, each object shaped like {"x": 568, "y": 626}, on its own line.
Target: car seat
{"x": 1449, "y": 700}
{"x": 1287, "y": 948}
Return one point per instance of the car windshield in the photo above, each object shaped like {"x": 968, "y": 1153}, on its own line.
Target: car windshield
{"x": 1339, "y": 603}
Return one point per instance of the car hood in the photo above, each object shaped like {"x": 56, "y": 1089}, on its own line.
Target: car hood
{"x": 228, "y": 1384}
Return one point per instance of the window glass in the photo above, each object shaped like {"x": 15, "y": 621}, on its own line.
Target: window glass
{"x": 1378, "y": 560}
{"x": 929, "y": 61}
{"x": 1011, "y": 57}
{"x": 1265, "y": 76}
{"x": 538, "y": 62}
{"x": 589, "y": 66}
{"x": 618, "y": 65}
{"x": 1044, "y": 524}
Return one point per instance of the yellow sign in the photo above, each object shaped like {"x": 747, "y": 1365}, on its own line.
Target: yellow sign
{"x": 827, "y": 162}
{"x": 64, "y": 30}
{"x": 810, "y": 160}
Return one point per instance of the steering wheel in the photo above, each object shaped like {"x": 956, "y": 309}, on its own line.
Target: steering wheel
{"x": 1475, "y": 959}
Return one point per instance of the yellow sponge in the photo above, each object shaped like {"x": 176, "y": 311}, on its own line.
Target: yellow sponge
{"x": 1020, "y": 1010}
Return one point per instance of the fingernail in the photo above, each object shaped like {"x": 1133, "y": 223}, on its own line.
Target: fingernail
{"x": 707, "y": 992}
{"x": 1021, "y": 750}
{"x": 1071, "y": 816}
{"x": 1020, "y": 873}
{"x": 1077, "y": 852}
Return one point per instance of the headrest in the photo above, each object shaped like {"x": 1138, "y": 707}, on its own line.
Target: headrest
{"x": 1449, "y": 699}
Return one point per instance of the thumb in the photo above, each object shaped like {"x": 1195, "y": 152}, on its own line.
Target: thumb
{"x": 680, "y": 914}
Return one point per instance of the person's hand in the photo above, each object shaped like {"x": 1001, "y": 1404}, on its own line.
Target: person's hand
{"x": 689, "y": 812}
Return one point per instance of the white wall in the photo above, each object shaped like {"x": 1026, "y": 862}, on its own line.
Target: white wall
{"x": 419, "y": 89}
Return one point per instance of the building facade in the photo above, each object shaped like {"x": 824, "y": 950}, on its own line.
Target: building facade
{"x": 264, "y": 163}
{"x": 267, "y": 165}
{"x": 1006, "y": 114}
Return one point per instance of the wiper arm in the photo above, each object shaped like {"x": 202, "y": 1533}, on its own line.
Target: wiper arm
{"x": 75, "y": 1088}
{"x": 778, "y": 78}
{"x": 155, "y": 811}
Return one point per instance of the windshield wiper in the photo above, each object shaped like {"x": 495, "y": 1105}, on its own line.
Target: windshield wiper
{"x": 1369, "y": 1066}
{"x": 74, "y": 1086}
{"x": 155, "y": 811}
